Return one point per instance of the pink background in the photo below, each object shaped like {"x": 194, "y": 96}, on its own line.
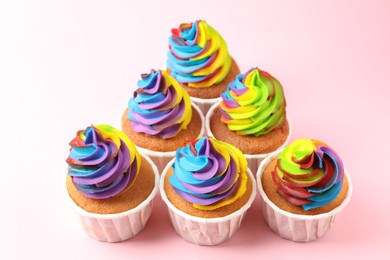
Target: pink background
{"x": 67, "y": 64}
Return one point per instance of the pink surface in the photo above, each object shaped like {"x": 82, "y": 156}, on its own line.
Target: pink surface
{"x": 67, "y": 64}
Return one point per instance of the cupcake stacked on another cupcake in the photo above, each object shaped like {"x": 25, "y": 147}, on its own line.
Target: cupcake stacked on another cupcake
{"x": 160, "y": 117}
{"x": 109, "y": 181}
{"x": 208, "y": 188}
{"x": 199, "y": 60}
{"x": 304, "y": 186}
{"x": 251, "y": 115}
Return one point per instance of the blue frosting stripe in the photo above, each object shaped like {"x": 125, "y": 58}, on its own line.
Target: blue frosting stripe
{"x": 189, "y": 33}
{"x": 183, "y": 77}
{"x": 90, "y": 172}
{"x": 320, "y": 200}
{"x": 179, "y": 186}
{"x": 180, "y": 62}
{"x": 185, "y": 67}
{"x": 331, "y": 183}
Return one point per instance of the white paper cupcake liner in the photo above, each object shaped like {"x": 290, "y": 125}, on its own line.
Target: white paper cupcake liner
{"x": 162, "y": 158}
{"x": 205, "y": 231}
{"x": 205, "y": 103}
{"x": 254, "y": 160}
{"x": 298, "y": 228}
{"x": 120, "y": 226}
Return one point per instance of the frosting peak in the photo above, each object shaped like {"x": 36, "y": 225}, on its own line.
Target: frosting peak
{"x": 160, "y": 106}
{"x": 102, "y": 161}
{"x": 309, "y": 174}
{"x": 198, "y": 55}
{"x": 253, "y": 103}
{"x": 209, "y": 173}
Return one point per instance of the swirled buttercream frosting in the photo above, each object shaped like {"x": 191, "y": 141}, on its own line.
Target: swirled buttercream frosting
{"x": 160, "y": 106}
{"x": 253, "y": 103}
{"x": 209, "y": 173}
{"x": 102, "y": 161}
{"x": 198, "y": 55}
{"x": 308, "y": 173}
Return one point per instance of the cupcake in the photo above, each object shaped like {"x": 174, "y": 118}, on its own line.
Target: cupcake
{"x": 251, "y": 116}
{"x": 208, "y": 188}
{"x": 302, "y": 189}
{"x": 199, "y": 60}
{"x": 160, "y": 117}
{"x": 110, "y": 185}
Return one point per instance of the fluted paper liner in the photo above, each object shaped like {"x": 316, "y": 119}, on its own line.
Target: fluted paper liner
{"x": 120, "y": 226}
{"x": 205, "y": 103}
{"x": 205, "y": 231}
{"x": 254, "y": 160}
{"x": 295, "y": 227}
{"x": 162, "y": 158}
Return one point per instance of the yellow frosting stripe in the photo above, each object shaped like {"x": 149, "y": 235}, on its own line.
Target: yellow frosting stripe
{"x": 181, "y": 94}
{"x": 203, "y": 34}
{"x": 173, "y": 83}
{"x": 219, "y": 76}
{"x": 222, "y": 150}
{"x": 216, "y": 42}
{"x": 109, "y": 132}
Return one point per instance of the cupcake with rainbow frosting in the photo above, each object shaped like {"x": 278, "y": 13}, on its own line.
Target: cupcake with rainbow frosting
{"x": 160, "y": 117}
{"x": 110, "y": 185}
{"x": 207, "y": 188}
{"x": 251, "y": 116}
{"x": 199, "y": 60}
{"x": 303, "y": 187}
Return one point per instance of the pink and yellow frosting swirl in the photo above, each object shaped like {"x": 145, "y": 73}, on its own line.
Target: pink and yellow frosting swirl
{"x": 102, "y": 161}
{"x": 253, "y": 103}
{"x": 160, "y": 106}
{"x": 198, "y": 55}
{"x": 308, "y": 173}
{"x": 209, "y": 173}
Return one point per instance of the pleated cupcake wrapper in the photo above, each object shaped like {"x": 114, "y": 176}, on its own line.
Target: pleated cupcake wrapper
{"x": 162, "y": 158}
{"x": 254, "y": 160}
{"x": 120, "y": 226}
{"x": 205, "y": 103}
{"x": 298, "y": 228}
{"x": 205, "y": 231}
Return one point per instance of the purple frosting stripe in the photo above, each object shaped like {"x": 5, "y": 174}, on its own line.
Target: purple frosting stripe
{"x": 112, "y": 174}
{"x": 167, "y": 102}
